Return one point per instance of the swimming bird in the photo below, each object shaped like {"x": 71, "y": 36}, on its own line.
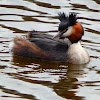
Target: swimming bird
{"x": 63, "y": 47}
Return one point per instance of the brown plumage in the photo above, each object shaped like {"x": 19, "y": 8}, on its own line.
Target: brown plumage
{"x": 40, "y": 46}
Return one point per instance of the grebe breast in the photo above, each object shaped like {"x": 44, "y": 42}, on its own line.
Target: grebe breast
{"x": 77, "y": 54}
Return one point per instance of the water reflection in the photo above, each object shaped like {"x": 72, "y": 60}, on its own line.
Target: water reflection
{"x": 67, "y": 84}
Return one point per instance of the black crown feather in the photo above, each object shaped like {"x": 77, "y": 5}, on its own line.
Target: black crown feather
{"x": 62, "y": 17}
{"x": 71, "y": 18}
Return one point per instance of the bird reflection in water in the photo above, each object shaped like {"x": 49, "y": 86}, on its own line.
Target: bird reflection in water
{"x": 68, "y": 82}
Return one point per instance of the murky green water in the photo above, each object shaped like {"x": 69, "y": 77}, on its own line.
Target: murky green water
{"x": 24, "y": 79}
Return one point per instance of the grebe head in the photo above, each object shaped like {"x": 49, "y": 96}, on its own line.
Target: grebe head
{"x": 69, "y": 28}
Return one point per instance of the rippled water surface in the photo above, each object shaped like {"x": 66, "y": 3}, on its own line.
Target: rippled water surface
{"x": 25, "y": 79}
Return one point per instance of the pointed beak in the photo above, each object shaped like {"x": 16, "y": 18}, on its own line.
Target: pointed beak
{"x": 58, "y": 35}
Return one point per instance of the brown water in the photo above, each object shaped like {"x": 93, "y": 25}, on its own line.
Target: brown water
{"x": 24, "y": 79}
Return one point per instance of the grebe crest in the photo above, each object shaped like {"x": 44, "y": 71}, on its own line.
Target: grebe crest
{"x": 69, "y": 28}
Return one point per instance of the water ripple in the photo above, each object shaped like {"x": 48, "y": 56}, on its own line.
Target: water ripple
{"x": 28, "y": 79}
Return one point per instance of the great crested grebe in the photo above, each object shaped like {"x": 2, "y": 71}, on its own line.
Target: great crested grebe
{"x": 55, "y": 48}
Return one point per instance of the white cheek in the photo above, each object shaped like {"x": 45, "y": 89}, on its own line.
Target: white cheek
{"x": 68, "y": 32}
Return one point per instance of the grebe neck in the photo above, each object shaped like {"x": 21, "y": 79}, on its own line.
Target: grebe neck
{"x": 77, "y": 54}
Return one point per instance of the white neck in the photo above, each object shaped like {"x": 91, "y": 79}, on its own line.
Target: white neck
{"x": 77, "y": 54}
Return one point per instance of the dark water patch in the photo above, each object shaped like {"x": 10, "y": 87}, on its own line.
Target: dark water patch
{"x": 76, "y": 6}
{"x": 91, "y": 82}
{"x": 95, "y": 57}
{"x": 98, "y": 72}
{"x": 24, "y": 78}
{"x": 43, "y": 4}
{"x": 28, "y": 18}
{"x": 11, "y": 20}
{"x": 21, "y": 8}
{"x": 97, "y": 1}
{"x": 46, "y": 65}
{"x": 92, "y": 31}
{"x": 14, "y": 29}
{"x": 92, "y": 43}
{"x": 16, "y": 93}
{"x": 91, "y": 19}
{"x": 2, "y": 66}
{"x": 67, "y": 85}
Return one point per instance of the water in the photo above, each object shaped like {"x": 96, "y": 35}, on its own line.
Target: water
{"x": 24, "y": 79}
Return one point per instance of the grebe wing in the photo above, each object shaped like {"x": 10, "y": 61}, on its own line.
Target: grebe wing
{"x": 46, "y": 42}
{"x": 35, "y": 34}
{"x": 23, "y": 47}
{"x": 41, "y": 47}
